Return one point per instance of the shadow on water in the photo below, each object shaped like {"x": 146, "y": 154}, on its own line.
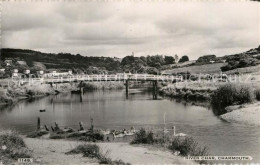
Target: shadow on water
{"x": 111, "y": 110}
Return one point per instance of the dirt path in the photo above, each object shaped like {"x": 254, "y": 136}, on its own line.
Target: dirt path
{"x": 53, "y": 152}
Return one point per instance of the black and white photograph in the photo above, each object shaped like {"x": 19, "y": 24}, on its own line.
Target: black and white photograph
{"x": 129, "y": 82}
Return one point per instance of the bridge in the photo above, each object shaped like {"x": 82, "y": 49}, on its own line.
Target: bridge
{"x": 98, "y": 78}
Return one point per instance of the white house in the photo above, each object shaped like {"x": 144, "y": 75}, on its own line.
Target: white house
{"x": 27, "y": 71}
{"x": 15, "y": 75}
{"x": 40, "y": 72}
{"x": 8, "y": 62}
{"x": 2, "y": 70}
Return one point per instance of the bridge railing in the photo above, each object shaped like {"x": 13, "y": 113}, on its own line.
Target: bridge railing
{"x": 84, "y": 77}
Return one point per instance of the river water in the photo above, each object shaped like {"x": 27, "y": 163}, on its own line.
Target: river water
{"x": 111, "y": 109}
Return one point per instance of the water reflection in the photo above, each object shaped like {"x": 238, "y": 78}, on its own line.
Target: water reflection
{"x": 111, "y": 109}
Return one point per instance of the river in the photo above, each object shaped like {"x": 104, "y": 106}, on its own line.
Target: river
{"x": 111, "y": 109}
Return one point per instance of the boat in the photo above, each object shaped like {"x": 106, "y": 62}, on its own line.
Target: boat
{"x": 42, "y": 110}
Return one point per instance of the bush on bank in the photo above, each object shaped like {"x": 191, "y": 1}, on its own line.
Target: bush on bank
{"x": 12, "y": 146}
{"x": 188, "y": 146}
{"x": 257, "y": 94}
{"x": 94, "y": 151}
{"x": 231, "y": 94}
{"x": 183, "y": 145}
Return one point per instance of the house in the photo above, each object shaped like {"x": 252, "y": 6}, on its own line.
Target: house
{"x": 15, "y": 71}
{"x": 8, "y": 62}
{"x": 27, "y": 71}
{"x": 15, "y": 75}
{"x": 2, "y": 70}
{"x": 21, "y": 62}
{"x": 54, "y": 74}
{"x": 40, "y": 72}
{"x": 117, "y": 59}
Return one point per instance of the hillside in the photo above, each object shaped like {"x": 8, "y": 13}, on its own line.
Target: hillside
{"x": 60, "y": 60}
{"x": 153, "y": 64}
{"x": 245, "y": 62}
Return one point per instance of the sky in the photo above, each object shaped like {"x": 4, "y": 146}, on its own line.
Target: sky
{"x": 120, "y": 27}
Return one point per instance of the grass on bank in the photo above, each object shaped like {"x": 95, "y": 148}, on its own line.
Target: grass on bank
{"x": 94, "y": 151}
{"x": 12, "y": 146}
{"x": 232, "y": 94}
{"x": 183, "y": 145}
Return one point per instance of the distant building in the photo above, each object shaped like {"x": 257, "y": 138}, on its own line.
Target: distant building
{"x": 27, "y": 71}
{"x": 15, "y": 75}
{"x": 21, "y": 62}
{"x": 40, "y": 72}
{"x": 117, "y": 59}
{"x": 54, "y": 74}
{"x": 8, "y": 62}
{"x": 2, "y": 70}
{"x": 15, "y": 71}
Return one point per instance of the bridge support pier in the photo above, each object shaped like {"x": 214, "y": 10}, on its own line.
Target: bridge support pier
{"x": 126, "y": 88}
{"x": 155, "y": 89}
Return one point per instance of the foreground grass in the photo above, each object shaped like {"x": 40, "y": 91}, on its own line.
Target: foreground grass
{"x": 12, "y": 147}
{"x": 94, "y": 151}
{"x": 183, "y": 146}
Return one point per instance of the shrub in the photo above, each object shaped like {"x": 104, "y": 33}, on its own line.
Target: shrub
{"x": 230, "y": 94}
{"x": 93, "y": 151}
{"x": 89, "y": 136}
{"x": 15, "y": 146}
{"x": 88, "y": 150}
{"x": 188, "y": 146}
{"x": 37, "y": 134}
{"x": 142, "y": 137}
{"x": 257, "y": 94}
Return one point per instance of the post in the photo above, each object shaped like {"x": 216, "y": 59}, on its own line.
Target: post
{"x": 47, "y": 129}
{"x": 92, "y": 126}
{"x": 81, "y": 128}
{"x": 56, "y": 126}
{"x": 38, "y": 123}
{"x": 155, "y": 86}
{"x": 126, "y": 88}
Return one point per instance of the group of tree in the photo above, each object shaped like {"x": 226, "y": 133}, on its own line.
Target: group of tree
{"x": 150, "y": 64}
{"x": 240, "y": 62}
{"x": 88, "y": 64}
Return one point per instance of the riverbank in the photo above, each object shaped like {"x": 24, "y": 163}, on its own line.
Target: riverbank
{"x": 53, "y": 152}
{"x": 50, "y": 151}
{"x": 244, "y": 114}
{"x": 190, "y": 90}
{"x": 14, "y": 92}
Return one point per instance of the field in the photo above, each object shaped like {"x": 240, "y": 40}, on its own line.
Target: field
{"x": 206, "y": 69}
{"x": 251, "y": 69}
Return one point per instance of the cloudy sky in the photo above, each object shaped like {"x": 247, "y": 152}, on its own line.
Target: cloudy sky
{"x": 94, "y": 28}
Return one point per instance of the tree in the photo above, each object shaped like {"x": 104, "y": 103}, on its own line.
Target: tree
{"x": 184, "y": 59}
{"x": 169, "y": 60}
